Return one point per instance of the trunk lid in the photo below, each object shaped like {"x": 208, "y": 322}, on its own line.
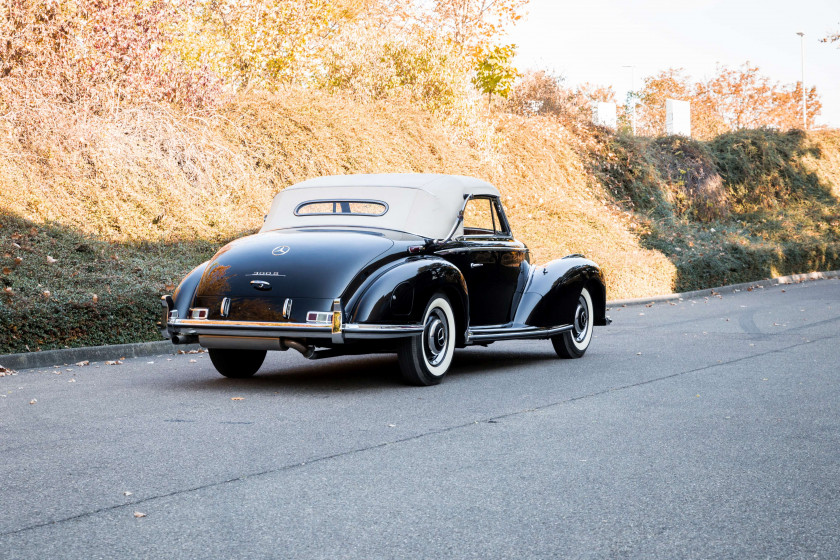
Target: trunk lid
{"x": 305, "y": 263}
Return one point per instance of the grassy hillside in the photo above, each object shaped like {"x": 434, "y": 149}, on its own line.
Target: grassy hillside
{"x": 100, "y": 215}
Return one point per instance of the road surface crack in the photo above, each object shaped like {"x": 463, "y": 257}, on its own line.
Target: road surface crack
{"x": 439, "y": 431}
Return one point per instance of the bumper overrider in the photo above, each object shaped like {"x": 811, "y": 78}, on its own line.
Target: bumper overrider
{"x": 211, "y": 332}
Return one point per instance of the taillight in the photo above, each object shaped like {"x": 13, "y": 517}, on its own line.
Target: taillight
{"x": 198, "y": 313}
{"x": 324, "y": 317}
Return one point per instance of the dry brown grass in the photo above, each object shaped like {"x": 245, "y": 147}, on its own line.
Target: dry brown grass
{"x": 827, "y": 165}
{"x": 159, "y": 175}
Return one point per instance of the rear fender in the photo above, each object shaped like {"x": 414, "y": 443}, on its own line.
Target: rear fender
{"x": 185, "y": 292}
{"x": 400, "y": 294}
{"x": 552, "y": 292}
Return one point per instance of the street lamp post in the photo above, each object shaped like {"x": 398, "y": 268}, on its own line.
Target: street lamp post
{"x": 633, "y": 93}
{"x": 804, "y": 106}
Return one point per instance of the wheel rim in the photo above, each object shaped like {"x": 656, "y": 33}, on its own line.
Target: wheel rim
{"x": 436, "y": 337}
{"x": 580, "y": 327}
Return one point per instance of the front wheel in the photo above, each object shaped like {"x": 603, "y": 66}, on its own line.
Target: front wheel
{"x": 237, "y": 364}
{"x": 573, "y": 343}
{"x": 425, "y": 359}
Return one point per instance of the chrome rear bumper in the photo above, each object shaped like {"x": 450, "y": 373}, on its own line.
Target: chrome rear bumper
{"x": 239, "y": 329}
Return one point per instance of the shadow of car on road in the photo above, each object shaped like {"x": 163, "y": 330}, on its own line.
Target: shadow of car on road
{"x": 350, "y": 373}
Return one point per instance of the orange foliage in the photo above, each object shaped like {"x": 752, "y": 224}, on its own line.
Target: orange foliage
{"x": 477, "y": 21}
{"x": 733, "y": 99}
{"x": 102, "y": 52}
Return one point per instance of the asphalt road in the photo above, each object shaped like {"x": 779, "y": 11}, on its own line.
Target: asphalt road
{"x": 705, "y": 429}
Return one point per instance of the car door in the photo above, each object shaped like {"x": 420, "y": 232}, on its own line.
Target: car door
{"x": 490, "y": 261}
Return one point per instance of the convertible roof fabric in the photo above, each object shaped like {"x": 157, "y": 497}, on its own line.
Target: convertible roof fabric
{"x": 418, "y": 203}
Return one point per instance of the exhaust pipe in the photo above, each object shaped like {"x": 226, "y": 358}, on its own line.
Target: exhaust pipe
{"x": 306, "y": 351}
{"x": 184, "y": 339}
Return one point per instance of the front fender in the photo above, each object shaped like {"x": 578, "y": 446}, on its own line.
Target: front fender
{"x": 399, "y": 294}
{"x": 552, "y": 292}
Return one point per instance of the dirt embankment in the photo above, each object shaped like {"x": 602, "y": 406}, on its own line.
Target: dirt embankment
{"x": 99, "y": 215}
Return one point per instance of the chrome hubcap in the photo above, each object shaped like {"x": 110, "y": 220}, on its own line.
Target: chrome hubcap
{"x": 581, "y": 324}
{"x": 436, "y": 336}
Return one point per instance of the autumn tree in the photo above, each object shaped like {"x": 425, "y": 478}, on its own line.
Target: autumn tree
{"x": 668, "y": 84}
{"x": 733, "y": 99}
{"x": 541, "y": 93}
{"x": 100, "y": 52}
{"x": 495, "y": 73}
{"x": 474, "y": 23}
{"x": 264, "y": 42}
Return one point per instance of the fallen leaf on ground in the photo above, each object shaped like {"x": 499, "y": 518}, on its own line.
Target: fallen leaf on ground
{"x": 193, "y": 361}
{"x": 83, "y": 363}
{"x": 237, "y": 398}
{"x": 126, "y": 493}
{"x": 51, "y": 260}
{"x": 113, "y": 363}
{"x": 139, "y": 514}
{"x": 33, "y": 401}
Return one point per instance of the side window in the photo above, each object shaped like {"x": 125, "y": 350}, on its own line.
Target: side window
{"x": 479, "y": 217}
{"x": 500, "y": 226}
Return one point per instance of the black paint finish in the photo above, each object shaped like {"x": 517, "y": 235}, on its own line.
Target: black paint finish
{"x": 383, "y": 277}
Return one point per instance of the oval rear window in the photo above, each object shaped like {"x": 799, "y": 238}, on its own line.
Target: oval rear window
{"x": 341, "y": 207}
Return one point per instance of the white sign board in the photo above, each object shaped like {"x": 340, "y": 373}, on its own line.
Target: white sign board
{"x": 604, "y": 114}
{"x": 677, "y": 117}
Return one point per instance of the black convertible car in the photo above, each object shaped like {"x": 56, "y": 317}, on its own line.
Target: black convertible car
{"x": 409, "y": 263}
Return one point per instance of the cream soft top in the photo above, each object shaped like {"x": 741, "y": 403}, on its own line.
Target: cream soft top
{"x": 418, "y": 203}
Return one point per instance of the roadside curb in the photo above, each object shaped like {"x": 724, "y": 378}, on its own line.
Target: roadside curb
{"x": 781, "y": 280}
{"x": 48, "y": 358}
{"x": 70, "y": 356}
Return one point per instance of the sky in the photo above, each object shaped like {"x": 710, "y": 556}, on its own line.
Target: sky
{"x": 593, "y": 41}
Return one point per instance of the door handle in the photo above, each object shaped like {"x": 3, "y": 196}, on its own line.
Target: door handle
{"x": 476, "y": 265}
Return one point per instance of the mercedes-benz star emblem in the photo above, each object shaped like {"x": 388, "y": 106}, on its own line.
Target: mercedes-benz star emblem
{"x": 281, "y": 250}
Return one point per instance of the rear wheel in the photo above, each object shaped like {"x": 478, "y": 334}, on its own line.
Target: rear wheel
{"x": 236, "y": 363}
{"x": 425, "y": 359}
{"x": 573, "y": 343}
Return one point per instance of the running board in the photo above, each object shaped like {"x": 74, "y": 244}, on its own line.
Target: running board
{"x": 492, "y": 334}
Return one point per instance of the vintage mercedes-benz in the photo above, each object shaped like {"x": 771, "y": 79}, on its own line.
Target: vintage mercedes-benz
{"x": 415, "y": 264}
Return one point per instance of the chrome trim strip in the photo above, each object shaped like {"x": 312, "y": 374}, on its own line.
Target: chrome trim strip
{"x": 243, "y": 324}
{"x": 512, "y": 333}
{"x": 381, "y": 331}
{"x": 289, "y": 330}
{"x": 483, "y": 248}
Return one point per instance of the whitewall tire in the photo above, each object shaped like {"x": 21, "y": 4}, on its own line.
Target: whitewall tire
{"x": 573, "y": 343}
{"x": 425, "y": 359}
